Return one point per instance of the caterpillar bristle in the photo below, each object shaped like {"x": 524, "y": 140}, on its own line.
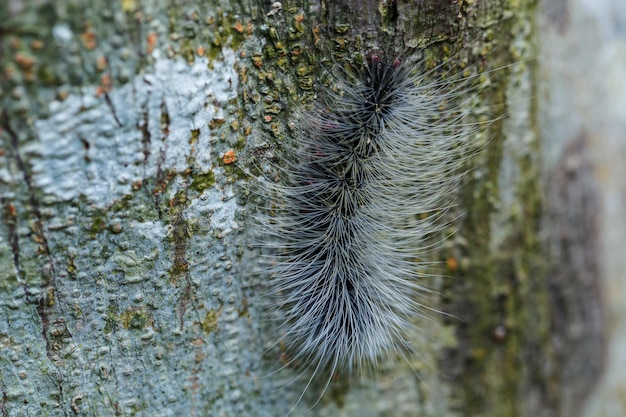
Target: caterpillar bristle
{"x": 370, "y": 183}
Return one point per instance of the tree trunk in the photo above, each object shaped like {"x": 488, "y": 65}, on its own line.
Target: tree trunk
{"x": 129, "y": 132}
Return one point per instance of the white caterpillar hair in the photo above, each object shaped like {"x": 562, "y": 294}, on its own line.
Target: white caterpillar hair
{"x": 375, "y": 170}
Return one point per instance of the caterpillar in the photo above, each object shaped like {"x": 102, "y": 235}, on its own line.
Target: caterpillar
{"x": 370, "y": 182}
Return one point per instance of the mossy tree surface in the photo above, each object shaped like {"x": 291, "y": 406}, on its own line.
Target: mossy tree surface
{"x": 131, "y": 132}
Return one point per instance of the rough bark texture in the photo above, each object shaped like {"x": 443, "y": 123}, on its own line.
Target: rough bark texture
{"x": 127, "y": 281}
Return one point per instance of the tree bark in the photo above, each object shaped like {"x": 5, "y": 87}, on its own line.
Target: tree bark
{"x": 130, "y": 133}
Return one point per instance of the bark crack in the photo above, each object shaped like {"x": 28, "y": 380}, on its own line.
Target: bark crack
{"x": 180, "y": 266}
{"x": 3, "y": 404}
{"x": 47, "y": 297}
{"x": 107, "y": 98}
{"x": 145, "y": 137}
{"x": 10, "y": 220}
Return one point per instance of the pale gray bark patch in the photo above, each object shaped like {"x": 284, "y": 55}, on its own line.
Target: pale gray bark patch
{"x": 83, "y": 150}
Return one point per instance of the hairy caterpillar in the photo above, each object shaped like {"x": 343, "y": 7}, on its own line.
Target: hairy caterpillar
{"x": 374, "y": 173}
